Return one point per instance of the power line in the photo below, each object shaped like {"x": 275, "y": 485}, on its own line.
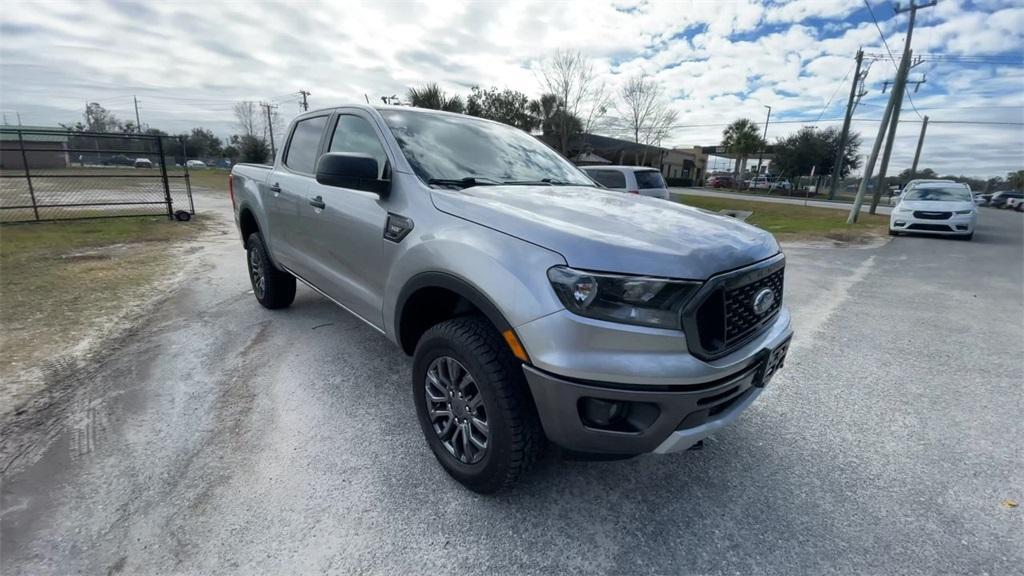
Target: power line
{"x": 834, "y": 92}
{"x": 880, "y": 34}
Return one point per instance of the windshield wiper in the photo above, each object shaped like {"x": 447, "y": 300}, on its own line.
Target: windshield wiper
{"x": 542, "y": 182}
{"x": 466, "y": 182}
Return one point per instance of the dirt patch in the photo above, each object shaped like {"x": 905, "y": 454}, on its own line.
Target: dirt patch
{"x": 67, "y": 287}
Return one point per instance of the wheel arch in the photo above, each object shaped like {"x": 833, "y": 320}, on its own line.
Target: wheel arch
{"x": 411, "y": 320}
{"x": 248, "y": 223}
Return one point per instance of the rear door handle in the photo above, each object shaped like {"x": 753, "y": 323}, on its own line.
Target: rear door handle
{"x": 317, "y": 202}
{"x": 275, "y": 188}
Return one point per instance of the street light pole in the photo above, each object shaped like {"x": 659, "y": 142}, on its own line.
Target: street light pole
{"x": 760, "y": 155}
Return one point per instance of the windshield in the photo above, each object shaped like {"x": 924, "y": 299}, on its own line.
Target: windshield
{"x": 447, "y": 147}
{"x": 647, "y": 179}
{"x": 939, "y": 194}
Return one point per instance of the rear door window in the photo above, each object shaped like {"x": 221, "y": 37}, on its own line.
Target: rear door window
{"x": 304, "y": 146}
{"x": 647, "y": 179}
{"x": 608, "y": 178}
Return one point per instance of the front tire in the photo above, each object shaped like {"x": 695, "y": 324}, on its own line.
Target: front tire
{"x": 472, "y": 402}
{"x": 272, "y": 287}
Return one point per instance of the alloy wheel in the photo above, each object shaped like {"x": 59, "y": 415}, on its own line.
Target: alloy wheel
{"x": 259, "y": 280}
{"x": 456, "y": 409}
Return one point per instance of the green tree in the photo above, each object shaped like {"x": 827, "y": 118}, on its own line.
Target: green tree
{"x": 506, "y": 106}
{"x": 908, "y": 175}
{"x": 202, "y": 143}
{"x": 548, "y": 114}
{"x": 815, "y": 149}
{"x": 1016, "y": 179}
{"x": 742, "y": 138}
{"x": 433, "y": 97}
{"x": 253, "y": 149}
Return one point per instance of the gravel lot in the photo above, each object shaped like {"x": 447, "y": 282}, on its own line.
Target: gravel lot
{"x": 224, "y": 438}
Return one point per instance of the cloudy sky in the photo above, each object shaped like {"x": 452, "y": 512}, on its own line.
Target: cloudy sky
{"x": 187, "y": 62}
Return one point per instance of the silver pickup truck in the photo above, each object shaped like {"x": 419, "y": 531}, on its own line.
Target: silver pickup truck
{"x": 536, "y": 306}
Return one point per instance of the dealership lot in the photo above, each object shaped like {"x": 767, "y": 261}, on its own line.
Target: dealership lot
{"x": 222, "y": 437}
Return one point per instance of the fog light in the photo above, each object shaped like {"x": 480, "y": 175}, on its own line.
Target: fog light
{"x": 602, "y": 413}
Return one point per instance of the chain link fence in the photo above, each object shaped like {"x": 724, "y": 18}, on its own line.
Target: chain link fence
{"x": 65, "y": 175}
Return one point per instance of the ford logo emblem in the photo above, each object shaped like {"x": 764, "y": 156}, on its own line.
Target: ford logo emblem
{"x": 763, "y": 301}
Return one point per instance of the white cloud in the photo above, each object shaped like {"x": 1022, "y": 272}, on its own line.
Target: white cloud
{"x": 717, "y": 60}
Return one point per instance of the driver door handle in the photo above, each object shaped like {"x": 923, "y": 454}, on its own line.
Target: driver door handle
{"x": 275, "y": 188}
{"x": 317, "y": 202}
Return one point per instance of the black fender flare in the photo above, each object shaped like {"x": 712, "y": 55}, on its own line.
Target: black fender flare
{"x": 451, "y": 283}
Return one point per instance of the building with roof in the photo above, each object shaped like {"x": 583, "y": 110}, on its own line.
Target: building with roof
{"x": 678, "y": 165}
{"x": 45, "y": 147}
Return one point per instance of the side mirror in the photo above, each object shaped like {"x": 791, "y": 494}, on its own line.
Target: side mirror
{"x": 355, "y": 171}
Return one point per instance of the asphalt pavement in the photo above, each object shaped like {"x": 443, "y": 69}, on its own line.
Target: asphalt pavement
{"x": 222, "y": 438}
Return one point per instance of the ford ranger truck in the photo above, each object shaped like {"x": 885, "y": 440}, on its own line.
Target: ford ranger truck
{"x": 537, "y": 307}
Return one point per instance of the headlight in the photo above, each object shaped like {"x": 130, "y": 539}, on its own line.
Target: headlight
{"x": 965, "y": 211}
{"x": 904, "y": 210}
{"x": 636, "y": 300}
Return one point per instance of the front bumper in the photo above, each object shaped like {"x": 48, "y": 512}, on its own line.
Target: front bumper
{"x": 659, "y": 419}
{"x": 958, "y": 224}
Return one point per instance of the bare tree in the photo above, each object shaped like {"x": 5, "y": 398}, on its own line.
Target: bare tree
{"x": 570, "y": 77}
{"x": 639, "y": 103}
{"x": 644, "y": 110}
{"x": 247, "y": 118}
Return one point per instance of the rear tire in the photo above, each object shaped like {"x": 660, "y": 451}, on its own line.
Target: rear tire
{"x": 495, "y": 389}
{"x": 272, "y": 287}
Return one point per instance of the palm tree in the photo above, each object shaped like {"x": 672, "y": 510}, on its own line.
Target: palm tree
{"x": 548, "y": 111}
{"x": 431, "y": 96}
{"x": 742, "y": 138}
{"x": 545, "y": 110}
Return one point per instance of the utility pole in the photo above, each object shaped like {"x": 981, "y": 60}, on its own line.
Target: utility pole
{"x": 897, "y": 98}
{"x": 920, "y": 142}
{"x": 898, "y": 90}
{"x": 869, "y": 167}
{"x": 891, "y": 112}
{"x": 267, "y": 106}
{"x": 138, "y": 123}
{"x": 760, "y": 155}
{"x": 837, "y": 168}
{"x": 305, "y": 104}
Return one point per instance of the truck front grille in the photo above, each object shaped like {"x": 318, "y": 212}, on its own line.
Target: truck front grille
{"x": 725, "y": 318}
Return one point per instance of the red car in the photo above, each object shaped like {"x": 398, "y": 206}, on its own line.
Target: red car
{"x": 719, "y": 182}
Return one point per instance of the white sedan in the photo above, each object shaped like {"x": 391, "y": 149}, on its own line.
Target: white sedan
{"x": 935, "y": 208}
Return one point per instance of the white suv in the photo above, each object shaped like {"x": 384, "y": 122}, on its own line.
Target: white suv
{"x": 632, "y": 179}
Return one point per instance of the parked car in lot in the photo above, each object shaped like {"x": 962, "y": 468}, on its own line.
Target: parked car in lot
{"x": 945, "y": 208}
{"x": 720, "y": 181}
{"x": 769, "y": 183}
{"x": 1013, "y": 203}
{"x": 118, "y": 160}
{"x": 195, "y": 164}
{"x": 982, "y": 199}
{"x": 632, "y": 179}
{"x": 143, "y": 163}
{"x": 999, "y": 199}
{"x": 535, "y": 306}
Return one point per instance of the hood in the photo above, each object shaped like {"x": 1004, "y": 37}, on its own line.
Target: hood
{"x": 606, "y": 231}
{"x": 937, "y": 205}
